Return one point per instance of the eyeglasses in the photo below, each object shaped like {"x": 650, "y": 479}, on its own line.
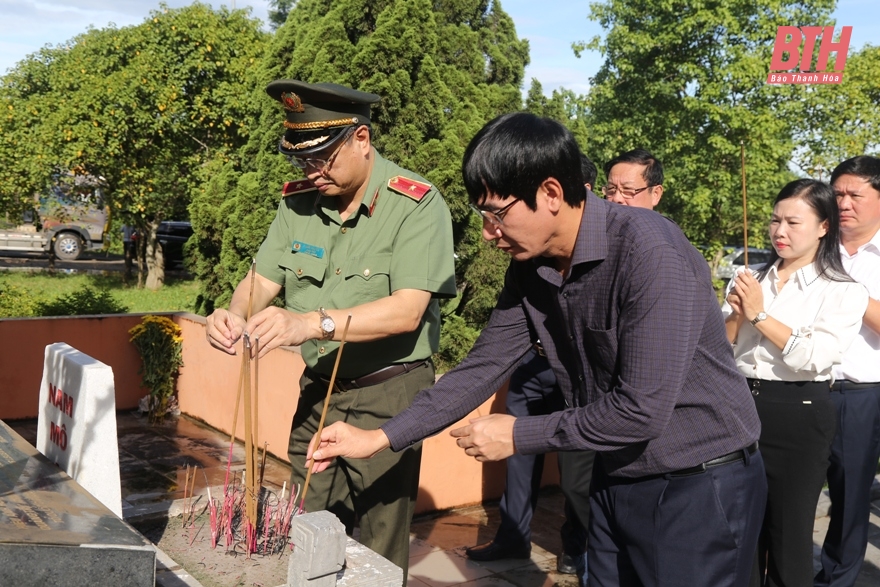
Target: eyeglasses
{"x": 609, "y": 191}
{"x": 495, "y": 217}
{"x": 318, "y": 163}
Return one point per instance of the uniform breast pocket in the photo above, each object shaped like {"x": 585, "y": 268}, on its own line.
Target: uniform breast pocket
{"x": 368, "y": 278}
{"x": 302, "y": 271}
{"x": 600, "y": 347}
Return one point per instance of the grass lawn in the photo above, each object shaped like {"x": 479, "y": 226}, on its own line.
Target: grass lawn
{"x": 175, "y": 296}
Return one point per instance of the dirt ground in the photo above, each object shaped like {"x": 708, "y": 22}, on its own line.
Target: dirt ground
{"x": 214, "y": 567}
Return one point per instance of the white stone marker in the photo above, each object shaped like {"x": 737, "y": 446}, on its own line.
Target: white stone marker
{"x": 77, "y": 421}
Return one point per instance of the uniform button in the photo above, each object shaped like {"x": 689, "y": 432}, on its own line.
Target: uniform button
{"x": 565, "y": 294}
{"x": 338, "y": 271}
{"x": 299, "y": 271}
{"x": 344, "y": 230}
{"x": 581, "y": 377}
{"x": 571, "y": 338}
{"x": 366, "y": 272}
{"x": 321, "y": 350}
{"x": 295, "y": 246}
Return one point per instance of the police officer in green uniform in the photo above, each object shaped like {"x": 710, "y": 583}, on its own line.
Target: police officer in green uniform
{"x": 360, "y": 237}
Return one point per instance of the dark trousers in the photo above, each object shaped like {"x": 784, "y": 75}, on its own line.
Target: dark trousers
{"x": 379, "y": 494}
{"x": 797, "y": 427}
{"x": 668, "y": 531}
{"x": 854, "y": 455}
{"x": 533, "y": 392}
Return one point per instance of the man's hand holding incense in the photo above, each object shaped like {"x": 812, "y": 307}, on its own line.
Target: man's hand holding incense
{"x": 224, "y": 329}
{"x": 279, "y": 327}
{"x": 343, "y": 440}
{"x": 487, "y": 438}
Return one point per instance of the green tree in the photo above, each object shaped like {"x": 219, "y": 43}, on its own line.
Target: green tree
{"x": 443, "y": 69}
{"x": 565, "y": 106}
{"x": 142, "y": 108}
{"x": 686, "y": 81}
{"x": 278, "y": 11}
{"x": 842, "y": 120}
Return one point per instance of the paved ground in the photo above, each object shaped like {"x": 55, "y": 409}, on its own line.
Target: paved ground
{"x": 152, "y": 460}
{"x": 90, "y": 262}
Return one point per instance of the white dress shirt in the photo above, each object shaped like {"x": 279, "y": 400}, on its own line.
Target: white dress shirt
{"x": 861, "y": 362}
{"x": 824, "y": 317}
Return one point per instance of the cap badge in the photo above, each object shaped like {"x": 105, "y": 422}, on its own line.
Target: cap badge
{"x": 292, "y": 102}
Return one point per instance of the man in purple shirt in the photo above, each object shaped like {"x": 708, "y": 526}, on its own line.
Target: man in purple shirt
{"x": 625, "y": 309}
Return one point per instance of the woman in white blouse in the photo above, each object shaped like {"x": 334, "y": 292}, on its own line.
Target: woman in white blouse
{"x": 789, "y": 323}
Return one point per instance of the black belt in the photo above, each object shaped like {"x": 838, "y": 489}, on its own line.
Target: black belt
{"x": 739, "y": 455}
{"x": 375, "y": 378}
{"x": 844, "y": 384}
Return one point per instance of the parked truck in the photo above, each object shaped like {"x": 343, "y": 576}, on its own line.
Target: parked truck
{"x": 64, "y": 224}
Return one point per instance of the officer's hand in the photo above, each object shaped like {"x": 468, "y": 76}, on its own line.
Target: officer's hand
{"x": 224, "y": 329}
{"x": 487, "y": 438}
{"x": 277, "y": 327}
{"x": 344, "y": 440}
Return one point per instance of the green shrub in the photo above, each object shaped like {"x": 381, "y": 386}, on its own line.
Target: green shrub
{"x": 456, "y": 340}
{"x": 15, "y": 302}
{"x": 84, "y": 301}
{"x": 159, "y": 341}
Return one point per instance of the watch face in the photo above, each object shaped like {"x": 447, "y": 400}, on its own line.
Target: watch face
{"x": 328, "y": 325}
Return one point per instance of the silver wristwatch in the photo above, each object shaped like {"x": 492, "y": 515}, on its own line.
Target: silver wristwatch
{"x": 328, "y": 326}
{"x": 759, "y": 318}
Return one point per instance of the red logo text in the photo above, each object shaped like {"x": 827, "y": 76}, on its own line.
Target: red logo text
{"x": 794, "y": 48}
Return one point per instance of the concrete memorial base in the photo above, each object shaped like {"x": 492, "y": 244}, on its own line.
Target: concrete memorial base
{"x": 323, "y": 556}
{"x": 53, "y": 532}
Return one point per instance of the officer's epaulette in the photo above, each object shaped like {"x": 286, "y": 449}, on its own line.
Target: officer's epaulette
{"x": 409, "y": 187}
{"x": 301, "y": 186}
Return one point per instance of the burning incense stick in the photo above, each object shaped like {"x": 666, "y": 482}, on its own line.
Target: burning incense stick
{"x": 324, "y": 411}
{"x": 742, "y": 156}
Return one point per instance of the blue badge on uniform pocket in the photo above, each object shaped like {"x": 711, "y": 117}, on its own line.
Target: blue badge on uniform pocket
{"x": 313, "y": 250}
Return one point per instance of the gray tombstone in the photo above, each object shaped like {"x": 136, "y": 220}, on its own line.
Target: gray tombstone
{"x": 323, "y": 556}
{"x": 53, "y": 532}
{"x": 318, "y": 550}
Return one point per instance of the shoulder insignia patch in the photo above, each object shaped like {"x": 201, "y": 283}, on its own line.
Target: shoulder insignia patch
{"x": 409, "y": 187}
{"x": 292, "y": 188}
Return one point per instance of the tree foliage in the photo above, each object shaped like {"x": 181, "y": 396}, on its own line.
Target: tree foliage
{"x": 686, "y": 80}
{"x": 443, "y": 70}
{"x": 278, "y": 11}
{"x": 141, "y": 108}
{"x": 563, "y": 105}
{"x": 840, "y": 121}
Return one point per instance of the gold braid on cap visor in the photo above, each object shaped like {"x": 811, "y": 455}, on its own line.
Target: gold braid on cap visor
{"x": 320, "y": 124}
{"x": 287, "y": 145}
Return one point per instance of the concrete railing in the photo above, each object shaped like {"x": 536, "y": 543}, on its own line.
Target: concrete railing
{"x": 207, "y": 389}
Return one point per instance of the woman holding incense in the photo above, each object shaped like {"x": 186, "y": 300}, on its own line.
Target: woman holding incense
{"x": 789, "y": 323}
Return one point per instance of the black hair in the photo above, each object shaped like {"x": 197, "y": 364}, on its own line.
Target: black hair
{"x": 589, "y": 171}
{"x": 653, "y": 173}
{"x": 514, "y": 153}
{"x": 821, "y": 199}
{"x": 863, "y": 166}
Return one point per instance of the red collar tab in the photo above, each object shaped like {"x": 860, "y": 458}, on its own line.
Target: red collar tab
{"x": 373, "y": 203}
{"x": 409, "y": 187}
{"x": 291, "y": 188}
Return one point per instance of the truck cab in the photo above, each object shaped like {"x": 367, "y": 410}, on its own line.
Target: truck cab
{"x": 64, "y": 223}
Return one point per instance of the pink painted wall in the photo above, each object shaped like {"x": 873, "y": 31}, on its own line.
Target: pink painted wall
{"x": 22, "y": 347}
{"x": 207, "y": 391}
